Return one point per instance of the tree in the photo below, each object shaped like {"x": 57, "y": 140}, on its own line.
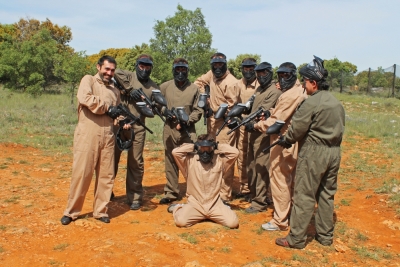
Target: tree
{"x": 74, "y": 66}
{"x": 29, "y": 65}
{"x": 183, "y": 35}
{"x": 128, "y": 61}
{"x": 235, "y": 65}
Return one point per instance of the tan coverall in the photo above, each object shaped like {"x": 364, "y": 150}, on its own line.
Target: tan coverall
{"x": 135, "y": 162}
{"x": 318, "y": 126}
{"x": 258, "y": 161}
{"x": 283, "y": 161}
{"x": 93, "y": 147}
{"x": 203, "y": 186}
{"x": 186, "y": 97}
{"x": 245, "y": 92}
{"x": 222, "y": 90}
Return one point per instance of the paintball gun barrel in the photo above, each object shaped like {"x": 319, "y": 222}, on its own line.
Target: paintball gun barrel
{"x": 274, "y": 129}
{"x": 125, "y": 112}
{"x": 251, "y": 117}
{"x": 236, "y": 111}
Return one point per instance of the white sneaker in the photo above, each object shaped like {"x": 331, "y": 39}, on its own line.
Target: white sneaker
{"x": 270, "y": 227}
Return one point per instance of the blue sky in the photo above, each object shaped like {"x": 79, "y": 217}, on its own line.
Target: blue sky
{"x": 363, "y": 32}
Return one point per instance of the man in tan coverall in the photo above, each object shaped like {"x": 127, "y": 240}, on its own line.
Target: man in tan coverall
{"x": 283, "y": 161}
{"x": 131, "y": 82}
{"x": 246, "y": 87}
{"x": 94, "y": 142}
{"x": 203, "y": 164}
{"x": 318, "y": 126}
{"x": 179, "y": 92}
{"x": 221, "y": 83}
{"x": 258, "y": 161}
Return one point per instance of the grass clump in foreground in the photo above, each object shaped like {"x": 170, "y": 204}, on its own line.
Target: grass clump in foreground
{"x": 392, "y": 188}
{"x": 189, "y": 238}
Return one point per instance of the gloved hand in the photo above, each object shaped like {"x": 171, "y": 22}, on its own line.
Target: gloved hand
{"x": 113, "y": 112}
{"x": 168, "y": 114}
{"x": 136, "y": 95}
{"x": 233, "y": 123}
{"x": 123, "y": 122}
{"x": 208, "y": 113}
{"x": 283, "y": 143}
{"x": 249, "y": 127}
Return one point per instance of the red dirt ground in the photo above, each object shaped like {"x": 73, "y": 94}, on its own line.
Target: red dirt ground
{"x": 33, "y": 196}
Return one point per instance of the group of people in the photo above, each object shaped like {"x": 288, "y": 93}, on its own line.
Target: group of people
{"x": 294, "y": 175}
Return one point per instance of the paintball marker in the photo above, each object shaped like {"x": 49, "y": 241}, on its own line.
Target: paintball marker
{"x": 125, "y": 112}
{"x": 158, "y": 99}
{"x": 236, "y": 111}
{"x": 274, "y": 129}
{"x": 203, "y": 103}
{"x": 251, "y": 117}
{"x": 181, "y": 118}
{"x": 122, "y": 90}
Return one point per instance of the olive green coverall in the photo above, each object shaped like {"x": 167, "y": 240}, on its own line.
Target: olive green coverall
{"x": 318, "y": 127}
{"x": 186, "y": 97}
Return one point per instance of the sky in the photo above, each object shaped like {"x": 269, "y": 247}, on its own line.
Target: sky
{"x": 362, "y": 32}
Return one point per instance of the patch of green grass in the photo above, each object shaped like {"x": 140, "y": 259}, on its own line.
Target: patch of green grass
{"x": 387, "y": 186}
{"x": 258, "y": 231}
{"x": 134, "y": 221}
{"x": 3, "y": 166}
{"x": 2, "y": 249}
{"x": 3, "y": 227}
{"x": 61, "y": 247}
{"x": 345, "y": 202}
{"x": 189, "y": 238}
{"x": 361, "y": 237}
{"x": 158, "y": 196}
{"x": 364, "y": 252}
{"x": 15, "y": 172}
{"x": 269, "y": 259}
{"x": 13, "y": 199}
{"x": 341, "y": 228}
{"x": 211, "y": 248}
{"x": 23, "y": 162}
{"x": 297, "y": 257}
{"x": 226, "y": 249}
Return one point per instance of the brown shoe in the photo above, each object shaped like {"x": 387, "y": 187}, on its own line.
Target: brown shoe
{"x": 282, "y": 242}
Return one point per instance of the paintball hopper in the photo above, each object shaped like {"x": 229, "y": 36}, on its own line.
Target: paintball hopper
{"x": 158, "y": 97}
{"x": 202, "y": 101}
{"x": 275, "y": 128}
{"x": 145, "y": 110}
{"x": 182, "y": 114}
{"x": 221, "y": 111}
{"x": 236, "y": 111}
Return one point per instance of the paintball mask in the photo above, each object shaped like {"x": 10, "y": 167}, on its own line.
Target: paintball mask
{"x": 143, "y": 74}
{"x": 205, "y": 150}
{"x": 218, "y": 71}
{"x": 264, "y": 79}
{"x": 121, "y": 139}
{"x": 179, "y": 75}
{"x": 249, "y": 75}
{"x": 313, "y": 70}
{"x": 287, "y": 75}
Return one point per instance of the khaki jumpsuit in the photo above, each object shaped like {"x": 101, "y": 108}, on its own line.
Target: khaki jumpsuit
{"x": 93, "y": 147}
{"x": 203, "y": 186}
{"x": 283, "y": 161}
{"x": 245, "y": 92}
{"x": 186, "y": 97}
{"x": 135, "y": 162}
{"x": 258, "y": 161}
{"x": 318, "y": 126}
{"x": 222, "y": 90}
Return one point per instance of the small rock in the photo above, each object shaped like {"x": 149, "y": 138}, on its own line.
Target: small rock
{"x": 395, "y": 189}
{"x": 341, "y": 248}
{"x": 374, "y": 103}
{"x": 389, "y": 245}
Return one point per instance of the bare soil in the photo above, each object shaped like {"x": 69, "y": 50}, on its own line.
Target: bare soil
{"x": 34, "y": 191}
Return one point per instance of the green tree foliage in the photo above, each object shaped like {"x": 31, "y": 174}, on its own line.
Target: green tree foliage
{"x": 73, "y": 67}
{"x": 234, "y": 65}
{"x": 183, "y": 35}
{"x": 129, "y": 60}
{"x": 117, "y": 53}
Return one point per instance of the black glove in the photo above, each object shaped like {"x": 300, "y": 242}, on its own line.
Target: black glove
{"x": 249, "y": 127}
{"x": 267, "y": 114}
{"x": 234, "y": 122}
{"x": 168, "y": 114}
{"x": 283, "y": 143}
{"x": 208, "y": 113}
{"x": 113, "y": 112}
{"x": 136, "y": 95}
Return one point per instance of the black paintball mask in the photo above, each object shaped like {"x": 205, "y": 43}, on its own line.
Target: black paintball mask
{"x": 219, "y": 71}
{"x": 264, "y": 79}
{"x": 249, "y": 76}
{"x": 287, "y": 75}
{"x": 121, "y": 139}
{"x": 180, "y": 76}
{"x": 143, "y": 75}
{"x": 314, "y": 70}
{"x": 205, "y": 150}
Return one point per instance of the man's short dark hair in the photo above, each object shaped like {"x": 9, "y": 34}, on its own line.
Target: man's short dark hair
{"x": 107, "y": 58}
